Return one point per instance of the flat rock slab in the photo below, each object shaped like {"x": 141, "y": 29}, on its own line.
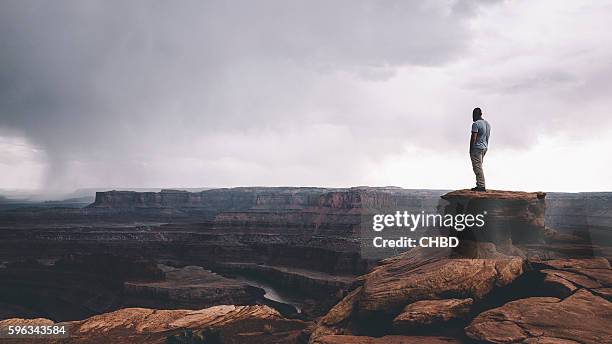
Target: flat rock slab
{"x": 563, "y": 276}
{"x": 392, "y": 287}
{"x": 495, "y": 194}
{"x": 431, "y": 312}
{"x": 582, "y": 263}
{"x": 577, "y": 279}
{"x": 582, "y": 317}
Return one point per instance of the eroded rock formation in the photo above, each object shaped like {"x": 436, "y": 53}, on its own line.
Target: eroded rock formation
{"x": 502, "y": 286}
{"x": 511, "y": 217}
{"x": 190, "y": 287}
{"x": 416, "y": 276}
{"x": 302, "y": 238}
{"x": 509, "y": 276}
{"x": 427, "y": 313}
{"x": 235, "y": 324}
{"x": 581, "y": 317}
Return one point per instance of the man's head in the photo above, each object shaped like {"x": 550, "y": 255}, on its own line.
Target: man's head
{"x": 476, "y": 114}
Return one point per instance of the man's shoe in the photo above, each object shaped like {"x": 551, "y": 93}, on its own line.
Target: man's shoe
{"x": 479, "y": 189}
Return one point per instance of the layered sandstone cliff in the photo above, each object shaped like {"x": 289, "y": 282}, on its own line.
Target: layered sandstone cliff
{"x": 510, "y": 216}
{"x": 303, "y": 239}
{"x": 240, "y": 198}
{"x": 263, "y": 198}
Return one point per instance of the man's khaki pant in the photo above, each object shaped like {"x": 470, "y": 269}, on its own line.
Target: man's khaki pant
{"x": 477, "y": 156}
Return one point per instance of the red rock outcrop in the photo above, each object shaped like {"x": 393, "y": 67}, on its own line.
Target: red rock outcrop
{"x": 236, "y": 324}
{"x": 308, "y": 238}
{"x": 385, "y": 289}
{"x": 573, "y": 307}
{"x": 427, "y": 313}
{"x": 501, "y": 281}
{"x": 581, "y": 317}
{"x": 417, "y": 275}
{"x": 511, "y": 217}
{"x": 562, "y": 277}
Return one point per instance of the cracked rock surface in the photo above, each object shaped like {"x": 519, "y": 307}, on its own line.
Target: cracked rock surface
{"x": 581, "y": 317}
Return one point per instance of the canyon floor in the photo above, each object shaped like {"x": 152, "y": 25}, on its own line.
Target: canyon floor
{"x": 288, "y": 265}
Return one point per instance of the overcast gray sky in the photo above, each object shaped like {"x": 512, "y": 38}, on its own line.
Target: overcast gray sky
{"x": 321, "y": 93}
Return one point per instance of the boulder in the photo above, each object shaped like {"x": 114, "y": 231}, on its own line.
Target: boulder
{"x": 390, "y": 287}
{"x": 563, "y": 276}
{"x": 427, "y": 313}
{"x": 581, "y": 317}
{"x": 421, "y": 274}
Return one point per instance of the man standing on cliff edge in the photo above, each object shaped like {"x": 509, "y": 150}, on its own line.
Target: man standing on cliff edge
{"x": 479, "y": 143}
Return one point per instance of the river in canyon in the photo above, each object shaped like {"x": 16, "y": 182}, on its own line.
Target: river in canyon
{"x": 283, "y": 300}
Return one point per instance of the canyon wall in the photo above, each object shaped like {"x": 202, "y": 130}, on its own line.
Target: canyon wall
{"x": 304, "y": 239}
{"x": 310, "y": 228}
{"x": 587, "y": 215}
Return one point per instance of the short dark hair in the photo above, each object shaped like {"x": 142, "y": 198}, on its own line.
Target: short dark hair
{"x": 477, "y": 112}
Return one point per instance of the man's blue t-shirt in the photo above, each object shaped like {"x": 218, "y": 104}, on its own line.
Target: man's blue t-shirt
{"x": 483, "y": 128}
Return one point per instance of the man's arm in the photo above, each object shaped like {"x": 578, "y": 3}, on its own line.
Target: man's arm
{"x": 474, "y": 135}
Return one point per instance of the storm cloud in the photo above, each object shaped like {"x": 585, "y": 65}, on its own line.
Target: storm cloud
{"x": 219, "y": 93}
